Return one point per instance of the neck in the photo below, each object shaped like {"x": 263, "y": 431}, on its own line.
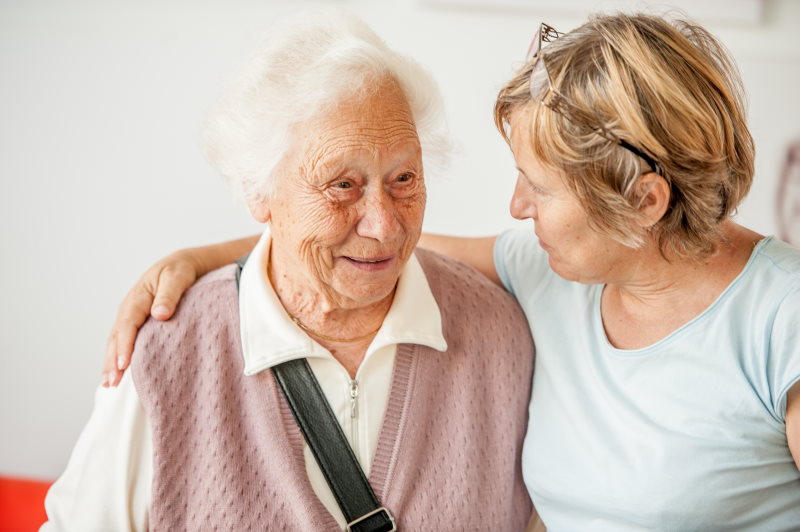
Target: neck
{"x": 655, "y": 296}
{"x": 338, "y": 324}
{"x": 651, "y": 276}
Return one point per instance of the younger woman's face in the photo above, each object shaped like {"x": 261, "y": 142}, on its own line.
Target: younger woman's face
{"x": 576, "y": 251}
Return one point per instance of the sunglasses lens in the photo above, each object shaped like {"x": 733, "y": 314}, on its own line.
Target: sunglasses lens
{"x": 540, "y": 81}
{"x": 536, "y": 45}
{"x": 542, "y": 91}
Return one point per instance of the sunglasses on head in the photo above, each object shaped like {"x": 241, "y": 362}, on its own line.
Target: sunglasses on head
{"x": 556, "y": 101}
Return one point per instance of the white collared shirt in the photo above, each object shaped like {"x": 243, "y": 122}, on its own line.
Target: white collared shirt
{"x": 270, "y": 337}
{"x": 107, "y": 482}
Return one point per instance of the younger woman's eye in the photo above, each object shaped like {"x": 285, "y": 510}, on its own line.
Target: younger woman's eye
{"x": 534, "y": 187}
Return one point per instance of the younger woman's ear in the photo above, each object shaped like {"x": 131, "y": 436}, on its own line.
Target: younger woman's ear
{"x": 654, "y": 193}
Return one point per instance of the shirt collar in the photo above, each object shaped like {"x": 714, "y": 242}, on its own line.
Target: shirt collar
{"x": 270, "y": 337}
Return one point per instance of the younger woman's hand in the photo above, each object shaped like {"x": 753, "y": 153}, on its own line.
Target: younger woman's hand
{"x": 157, "y": 293}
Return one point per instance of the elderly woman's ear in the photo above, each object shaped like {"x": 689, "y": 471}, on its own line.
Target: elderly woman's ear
{"x": 653, "y": 192}
{"x": 259, "y": 208}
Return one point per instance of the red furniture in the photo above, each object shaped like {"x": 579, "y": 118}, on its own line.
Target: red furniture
{"x": 22, "y": 504}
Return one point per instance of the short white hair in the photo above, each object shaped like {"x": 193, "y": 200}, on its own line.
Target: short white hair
{"x": 308, "y": 64}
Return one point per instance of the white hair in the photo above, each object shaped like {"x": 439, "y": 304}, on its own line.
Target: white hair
{"x": 308, "y": 64}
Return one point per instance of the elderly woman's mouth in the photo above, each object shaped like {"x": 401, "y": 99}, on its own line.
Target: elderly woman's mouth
{"x": 371, "y": 264}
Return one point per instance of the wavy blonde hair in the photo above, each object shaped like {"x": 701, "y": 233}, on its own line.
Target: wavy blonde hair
{"x": 666, "y": 87}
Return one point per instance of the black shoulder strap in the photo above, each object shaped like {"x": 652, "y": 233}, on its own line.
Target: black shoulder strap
{"x": 324, "y": 435}
{"x": 329, "y": 445}
{"x": 240, "y": 262}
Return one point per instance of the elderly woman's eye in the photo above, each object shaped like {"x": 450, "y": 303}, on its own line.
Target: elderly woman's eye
{"x": 404, "y": 185}
{"x": 343, "y": 190}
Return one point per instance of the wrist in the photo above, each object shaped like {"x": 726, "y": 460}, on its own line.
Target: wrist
{"x": 190, "y": 261}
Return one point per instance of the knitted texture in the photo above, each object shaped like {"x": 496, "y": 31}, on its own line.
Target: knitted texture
{"x": 228, "y": 454}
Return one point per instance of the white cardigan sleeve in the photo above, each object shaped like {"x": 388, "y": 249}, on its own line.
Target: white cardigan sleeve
{"x": 107, "y": 483}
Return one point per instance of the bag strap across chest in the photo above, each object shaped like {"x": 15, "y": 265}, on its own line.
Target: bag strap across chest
{"x": 327, "y": 442}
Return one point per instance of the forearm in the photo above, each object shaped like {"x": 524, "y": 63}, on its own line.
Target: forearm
{"x": 213, "y": 256}
{"x": 157, "y": 293}
{"x": 476, "y": 252}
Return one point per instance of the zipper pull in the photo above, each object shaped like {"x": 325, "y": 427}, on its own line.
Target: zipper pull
{"x": 353, "y": 397}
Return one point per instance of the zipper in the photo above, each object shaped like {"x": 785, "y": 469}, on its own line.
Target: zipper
{"x": 354, "y": 415}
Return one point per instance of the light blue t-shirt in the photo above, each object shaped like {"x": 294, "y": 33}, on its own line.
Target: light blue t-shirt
{"x": 686, "y": 434}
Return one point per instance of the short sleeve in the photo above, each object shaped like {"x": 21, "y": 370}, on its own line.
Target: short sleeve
{"x": 783, "y": 366}
{"x": 520, "y": 262}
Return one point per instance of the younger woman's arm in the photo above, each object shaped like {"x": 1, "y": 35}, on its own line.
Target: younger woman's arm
{"x": 160, "y": 288}
{"x": 157, "y": 294}
{"x": 477, "y": 252}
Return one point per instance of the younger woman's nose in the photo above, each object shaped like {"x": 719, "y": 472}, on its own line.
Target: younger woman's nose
{"x": 523, "y": 202}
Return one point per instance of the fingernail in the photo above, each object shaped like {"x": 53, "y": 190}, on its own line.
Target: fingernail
{"x": 120, "y": 363}
{"x": 160, "y": 309}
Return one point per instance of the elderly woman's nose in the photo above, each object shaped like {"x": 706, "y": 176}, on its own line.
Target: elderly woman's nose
{"x": 523, "y": 204}
{"x": 378, "y": 218}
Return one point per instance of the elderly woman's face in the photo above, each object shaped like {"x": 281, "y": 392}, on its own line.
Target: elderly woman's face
{"x": 347, "y": 207}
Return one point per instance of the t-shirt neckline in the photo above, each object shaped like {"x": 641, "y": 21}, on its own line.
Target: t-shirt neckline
{"x": 600, "y": 331}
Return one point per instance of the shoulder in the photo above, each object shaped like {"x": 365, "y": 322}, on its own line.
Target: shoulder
{"x": 770, "y": 303}
{"x": 463, "y": 294}
{"x": 203, "y": 300}
{"x": 782, "y": 257}
{"x": 437, "y": 265}
{"x": 521, "y": 264}
{"x": 207, "y": 309}
{"x": 447, "y": 275}
{"x": 487, "y": 332}
{"x": 221, "y": 279}
{"x": 778, "y": 286}
{"x": 517, "y": 245}
{"x": 774, "y": 277}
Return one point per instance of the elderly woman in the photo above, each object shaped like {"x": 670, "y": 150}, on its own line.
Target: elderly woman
{"x": 433, "y": 408}
{"x": 667, "y": 374}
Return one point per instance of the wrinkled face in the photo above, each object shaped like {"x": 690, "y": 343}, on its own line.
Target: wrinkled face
{"x": 576, "y": 251}
{"x": 348, "y": 201}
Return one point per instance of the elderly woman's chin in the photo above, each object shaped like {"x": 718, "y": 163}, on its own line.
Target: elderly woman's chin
{"x": 361, "y": 293}
{"x": 360, "y": 281}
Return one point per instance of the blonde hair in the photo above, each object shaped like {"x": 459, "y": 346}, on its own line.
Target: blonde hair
{"x": 667, "y": 88}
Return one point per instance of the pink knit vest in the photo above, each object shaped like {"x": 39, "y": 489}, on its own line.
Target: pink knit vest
{"x": 228, "y": 455}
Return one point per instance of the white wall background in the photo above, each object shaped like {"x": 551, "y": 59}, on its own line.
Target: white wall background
{"x": 101, "y": 172}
